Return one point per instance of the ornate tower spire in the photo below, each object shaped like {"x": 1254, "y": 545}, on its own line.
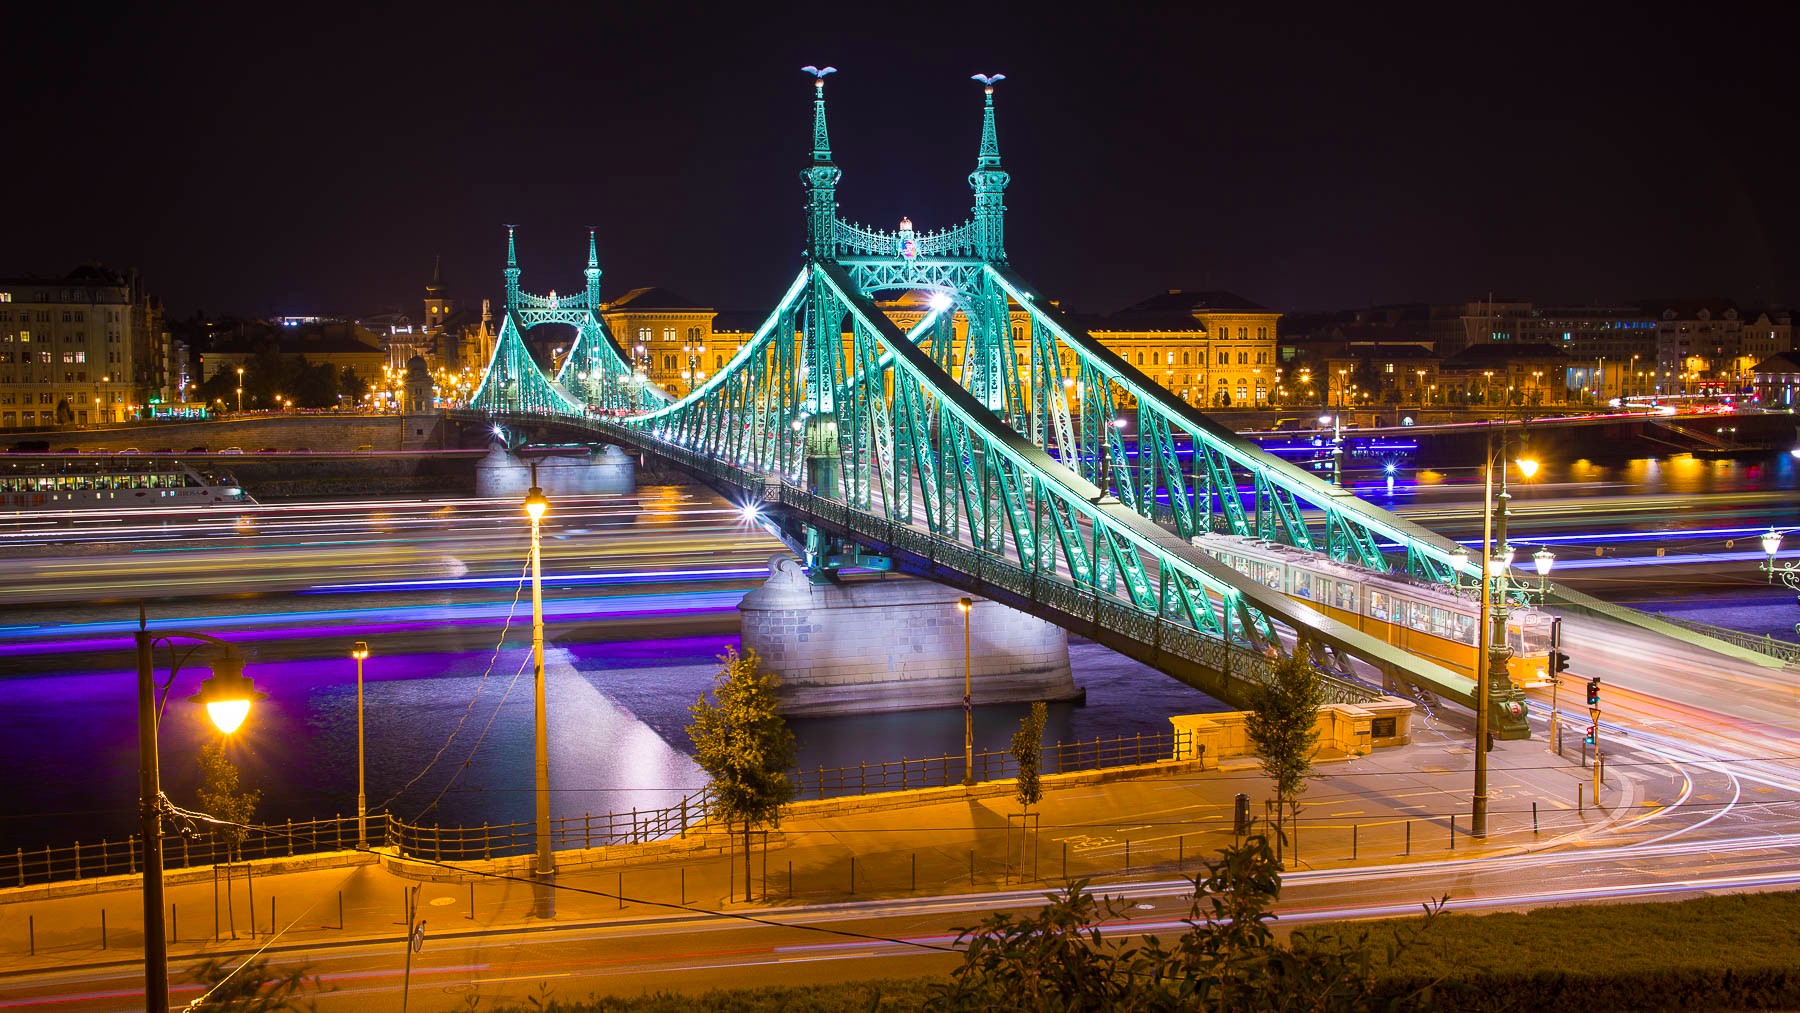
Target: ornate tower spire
{"x": 512, "y": 270}
{"x": 593, "y": 273}
{"x": 437, "y": 276}
{"x": 820, "y": 179}
{"x": 989, "y": 181}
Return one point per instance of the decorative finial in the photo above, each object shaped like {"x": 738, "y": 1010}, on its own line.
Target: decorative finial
{"x": 593, "y": 251}
{"x": 512, "y": 257}
{"x": 819, "y": 73}
{"x": 988, "y": 80}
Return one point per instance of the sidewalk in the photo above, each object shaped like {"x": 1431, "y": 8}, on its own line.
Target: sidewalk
{"x": 1155, "y": 821}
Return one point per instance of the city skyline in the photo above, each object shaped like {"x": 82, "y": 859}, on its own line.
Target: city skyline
{"x": 1333, "y": 162}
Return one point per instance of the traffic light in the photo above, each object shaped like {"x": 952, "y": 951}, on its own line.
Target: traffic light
{"x": 1589, "y": 738}
{"x": 1240, "y": 823}
{"x": 1559, "y": 663}
{"x": 1594, "y": 692}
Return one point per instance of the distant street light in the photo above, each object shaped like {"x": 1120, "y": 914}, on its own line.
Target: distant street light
{"x": 966, "y": 606}
{"x": 535, "y": 505}
{"x": 227, "y": 696}
{"x": 360, "y": 651}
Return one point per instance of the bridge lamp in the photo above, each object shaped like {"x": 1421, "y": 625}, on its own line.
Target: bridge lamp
{"x": 1528, "y": 466}
{"x": 228, "y": 694}
{"x": 939, "y": 301}
{"x": 751, "y": 513}
{"x": 966, "y": 606}
{"x": 1771, "y": 544}
{"x": 1543, "y": 559}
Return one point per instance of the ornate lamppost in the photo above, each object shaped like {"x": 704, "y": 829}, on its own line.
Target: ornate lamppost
{"x": 227, "y": 695}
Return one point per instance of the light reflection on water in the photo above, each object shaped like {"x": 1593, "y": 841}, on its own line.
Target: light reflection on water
{"x": 618, "y": 713}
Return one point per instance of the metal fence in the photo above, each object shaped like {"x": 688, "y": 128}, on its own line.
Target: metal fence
{"x": 500, "y": 840}
{"x": 989, "y": 765}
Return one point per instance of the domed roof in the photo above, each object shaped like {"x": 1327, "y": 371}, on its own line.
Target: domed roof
{"x": 416, "y": 368}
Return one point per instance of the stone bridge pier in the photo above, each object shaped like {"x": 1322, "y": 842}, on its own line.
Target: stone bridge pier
{"x": 890, "y": 643}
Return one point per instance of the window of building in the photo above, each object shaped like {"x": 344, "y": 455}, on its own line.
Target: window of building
{"x": 1224, "y": 358}
{"x": 67, "y": 317}
{"x": 1243, "y": 333}
{"x": 46, "y": 398}
{"x": 1155, "y": 358}
{"x": 1243, "y": 358}
{"x": 80, "y": 317}
{"x": 1262, "y": 334}
{"x": 1184, "y": 358}
{"x": 668, "y": 334}
{"x": 1140, "y": 358}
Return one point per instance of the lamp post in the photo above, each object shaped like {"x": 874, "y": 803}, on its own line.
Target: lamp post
{"x": 1491, "y": 651}
{"x": 360, "y": 651}
{"x": 1789, "y": 574}
{"x": 535, "y": 505}
{"x": 227, "y": 696}
{"x": 1543, "y": 559}
{"x": 1336, "y": 422}
{"x": 966, "y": 606}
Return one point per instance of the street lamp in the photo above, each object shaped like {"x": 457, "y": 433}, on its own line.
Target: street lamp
{"x": 227, "y": 696}
{"x": 1336, "y": 422}
{"x": 1789, "y": 574}
{"x": 535, "y": 505}
{"x": 1491, "y": 649}
{"x": 1543, "y": 559}
{"x": 966, "y": 606}
{"x": 360, "y": 651}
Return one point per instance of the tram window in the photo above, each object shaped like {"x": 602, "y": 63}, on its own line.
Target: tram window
{"x": 1345, "y": 596}
{"x": 1418, "y": 615}
{"x": 1536, "y": 640}
{"x": 1378, "y": 605}
{"x": 1440, "y": 622}
{"x": 1302, "y": 584}
{"x": 1465, "y": 628}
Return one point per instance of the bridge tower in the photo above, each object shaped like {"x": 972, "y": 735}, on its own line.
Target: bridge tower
{"x": 593, "y": 273}
{"x": 512, "y": 271}
{"x": 824, "y": 324}
{"x": 990, "y": 373}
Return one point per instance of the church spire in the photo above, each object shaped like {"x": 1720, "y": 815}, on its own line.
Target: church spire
{"x": 989, "y": 181}
{"x": 820, "y": 179}
{"x": 437, "y": 275}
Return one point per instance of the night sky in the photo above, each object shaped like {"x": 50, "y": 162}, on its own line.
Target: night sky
{"x": 255, "y": 159}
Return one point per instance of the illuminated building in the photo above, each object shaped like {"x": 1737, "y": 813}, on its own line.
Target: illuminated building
{"x": 86, "y": 348}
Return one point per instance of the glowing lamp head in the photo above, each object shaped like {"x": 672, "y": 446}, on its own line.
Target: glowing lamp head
{"x": 939, "y": 301}
{"x": 1388, "y": 467}
{"x": 1459, "y": 558}
{"x": 359, "y": 650}
{"x": 1528, "y": 466}
{"x": 1771, "y": 542}
{"x": 1543, "y": 559}
{"x": 535, "y": 503}
{"x": 963, "y": 605}
{"x": 1503, "y": 559}
{"x": 1324, "y": 420}
{"x": 751, "y": 512}
{"x": 227, "y": 694}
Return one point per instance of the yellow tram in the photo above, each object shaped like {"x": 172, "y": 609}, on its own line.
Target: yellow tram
{"x": 1426, "y": 619}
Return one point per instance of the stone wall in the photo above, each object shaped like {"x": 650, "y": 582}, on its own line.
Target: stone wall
{"x": 322, "y": 431}
{"x": 896, "y": 643}
{"x": 580, "y": 473}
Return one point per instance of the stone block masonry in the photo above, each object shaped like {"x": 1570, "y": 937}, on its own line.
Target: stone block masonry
{"x": 875, "y": 643}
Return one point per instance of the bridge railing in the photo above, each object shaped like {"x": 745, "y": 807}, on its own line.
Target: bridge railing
{"x": 1787, "y": 651}
{"x": 589, "y": 830}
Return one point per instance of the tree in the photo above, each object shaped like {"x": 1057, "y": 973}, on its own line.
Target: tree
{"x": 1282, "y": 726}
{"x": 353, "y": 386}
{"x": 252, "y": 987}
{"x": 1028, "y": 750}
{"x": 221, "y": 798}
{"x": 1228, "y": 959}
{"x": 743, "y": 743}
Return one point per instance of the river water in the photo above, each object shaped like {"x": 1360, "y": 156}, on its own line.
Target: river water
{"x": 449, "y": 719}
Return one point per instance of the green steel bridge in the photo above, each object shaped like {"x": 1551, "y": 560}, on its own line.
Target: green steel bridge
{"x": 1002, "y": 470}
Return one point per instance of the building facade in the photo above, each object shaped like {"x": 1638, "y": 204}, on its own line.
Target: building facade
{"x": 88, "y": 348}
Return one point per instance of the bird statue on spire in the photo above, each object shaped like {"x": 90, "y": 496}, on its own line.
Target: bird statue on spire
{"x": 819, "y": 72}
{"x": 989, "y": 80}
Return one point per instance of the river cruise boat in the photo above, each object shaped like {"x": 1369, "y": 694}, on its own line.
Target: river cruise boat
{"x": 31, "y": 483}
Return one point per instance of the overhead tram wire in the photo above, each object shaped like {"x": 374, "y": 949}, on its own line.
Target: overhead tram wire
{"x": 518, "y": 589}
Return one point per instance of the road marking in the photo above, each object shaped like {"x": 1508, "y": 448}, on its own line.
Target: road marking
{"x": 517, "y": 977}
